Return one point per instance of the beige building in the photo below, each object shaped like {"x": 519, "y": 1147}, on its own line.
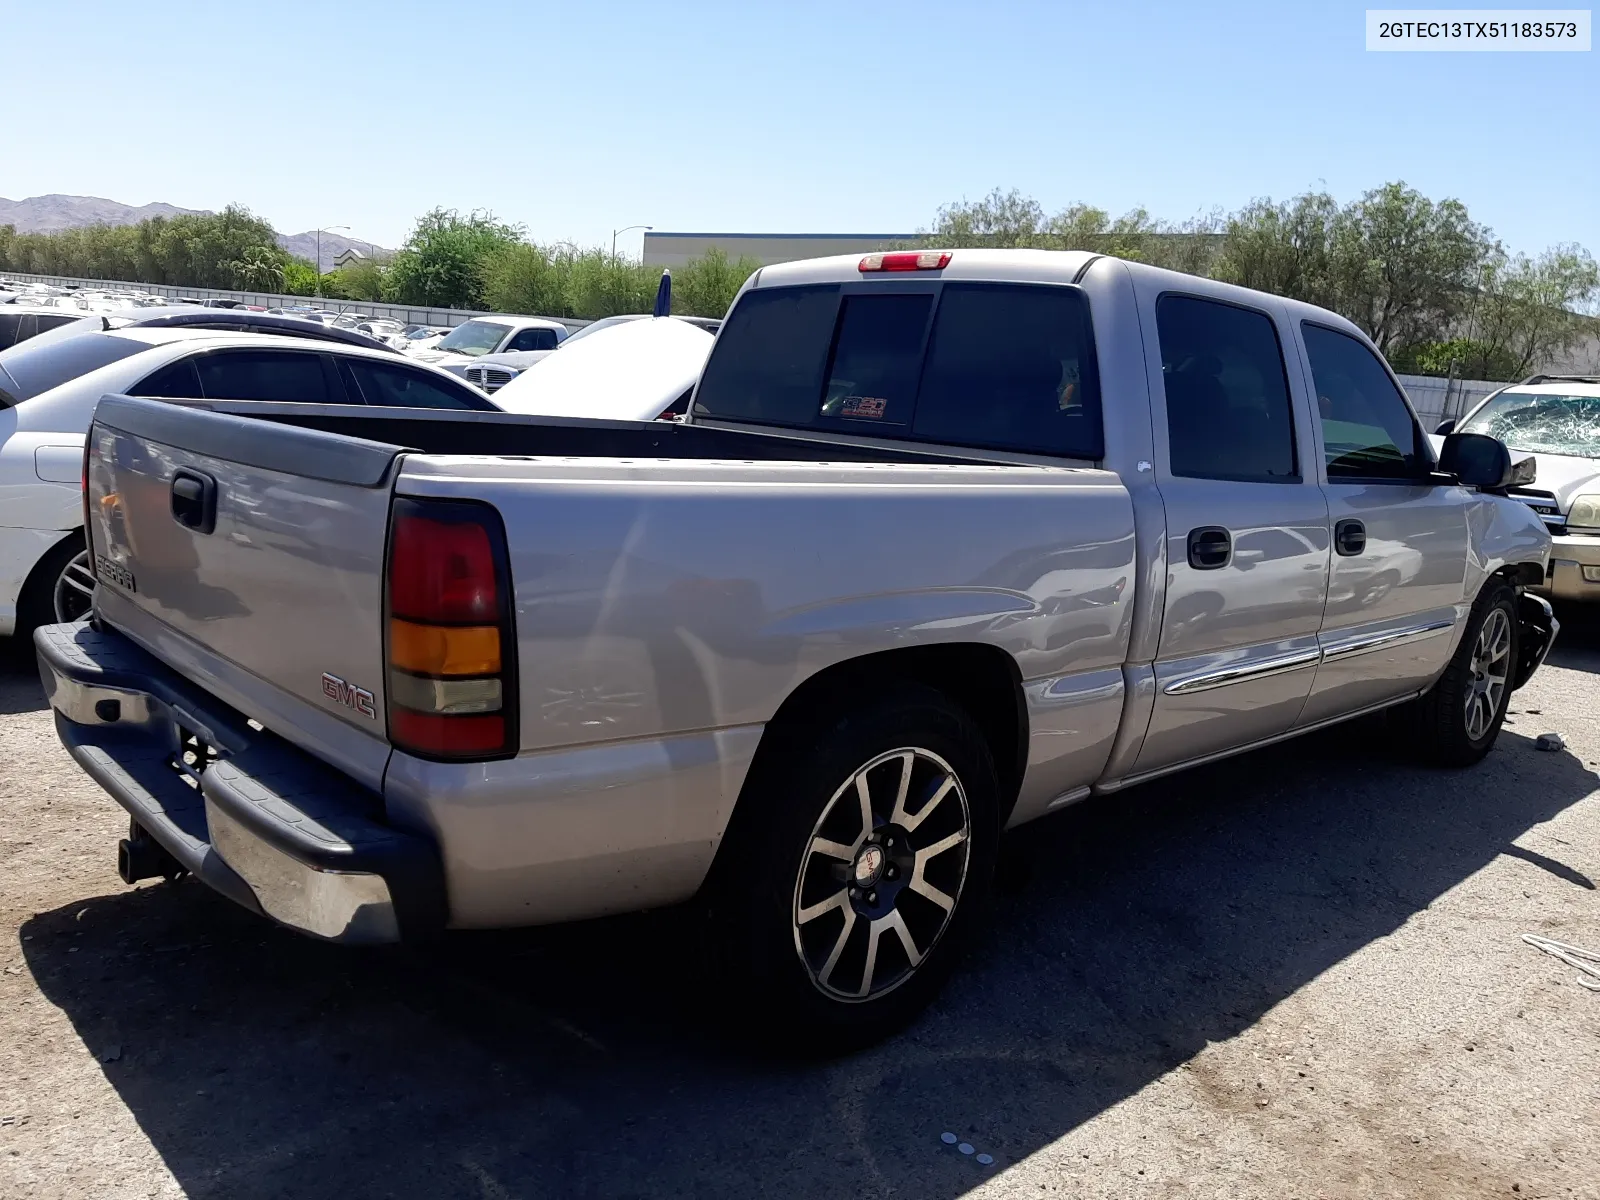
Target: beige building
{"x": 675, "y": 249}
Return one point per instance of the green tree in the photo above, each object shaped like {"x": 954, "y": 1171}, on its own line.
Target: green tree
{"x": 361, "y": 279}
{"x": 1282, "y": 248}
{"x": 442, "y": 262}
{"x": 1010, "y": 220}
{"x": 705, "y": 286}
{"x": 522, "y": 278}
{"x": 1462, "y": 358}
{"x": 1531, "y": 310}
{"x": 1402, "y": 267}
{"x": 299, "y": 277}
{"x": 258, "y": 272}
{"x": 599, "y": 284}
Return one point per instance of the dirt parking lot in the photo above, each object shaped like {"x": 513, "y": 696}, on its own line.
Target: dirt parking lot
{"x": 1296, "y": 974}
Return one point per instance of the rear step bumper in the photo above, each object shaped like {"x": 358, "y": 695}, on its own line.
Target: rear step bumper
{"x": 245, "y": 812}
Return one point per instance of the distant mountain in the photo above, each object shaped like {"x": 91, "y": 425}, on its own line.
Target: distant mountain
{"x": 51, "y": 214}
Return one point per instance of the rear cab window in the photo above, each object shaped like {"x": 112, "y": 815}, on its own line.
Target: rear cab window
{"x": 988, "y": 365}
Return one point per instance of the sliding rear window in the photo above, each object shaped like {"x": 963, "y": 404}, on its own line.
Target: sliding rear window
{"x": 990, "y": 365}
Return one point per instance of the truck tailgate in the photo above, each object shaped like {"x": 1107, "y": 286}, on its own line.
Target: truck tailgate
{"x": 249, "y": 555}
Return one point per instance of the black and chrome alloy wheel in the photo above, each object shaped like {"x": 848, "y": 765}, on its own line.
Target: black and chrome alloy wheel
{"x": 882, "y": 874}
{"x": 1490, "y": 666}
{"x": 74, "y": 589}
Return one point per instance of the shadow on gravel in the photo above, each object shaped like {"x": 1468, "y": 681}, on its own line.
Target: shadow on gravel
{"x": 583, "y": 1061}
{"x": 20, "y": 690}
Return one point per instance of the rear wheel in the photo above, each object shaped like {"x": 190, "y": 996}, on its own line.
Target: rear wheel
{"x": 860, "y": 865}
{"x": 1458, "y": 720}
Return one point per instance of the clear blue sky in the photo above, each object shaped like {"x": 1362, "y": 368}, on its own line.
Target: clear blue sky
{"x": 578, "y": 117}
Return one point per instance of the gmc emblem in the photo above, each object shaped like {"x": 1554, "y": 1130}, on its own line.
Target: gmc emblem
{"x": 349, "y": 695}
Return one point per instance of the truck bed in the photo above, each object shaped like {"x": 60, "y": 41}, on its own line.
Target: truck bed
{"x": 514, "y": 434}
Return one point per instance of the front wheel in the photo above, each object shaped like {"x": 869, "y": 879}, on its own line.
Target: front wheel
{"x": 1459, "y": 718}
{"x": 859, "y": 869}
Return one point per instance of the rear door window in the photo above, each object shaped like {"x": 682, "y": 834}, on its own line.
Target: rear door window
{"x": 271, "y": 375}
{"x": 1011, "y": 367}
{"x": 388, "y": 385}
{"x": 1227, "y": 392}
{"x": 177, "y": 380}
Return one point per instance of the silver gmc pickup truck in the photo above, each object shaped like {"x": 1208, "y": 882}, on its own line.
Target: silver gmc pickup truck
{"x": 946, "y": 542}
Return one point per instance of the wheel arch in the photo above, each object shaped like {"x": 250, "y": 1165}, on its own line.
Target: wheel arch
{"x": 981, "y": 679}
{"x": 35, "y": 572}
{"x": 27, "y": 594}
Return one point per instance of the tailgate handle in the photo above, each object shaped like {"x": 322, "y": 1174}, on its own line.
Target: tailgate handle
{"x": 194, "y": 500}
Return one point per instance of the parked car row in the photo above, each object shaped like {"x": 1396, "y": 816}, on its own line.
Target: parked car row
{"x": 943, "y": 542}
{"x": 49, "y": 385}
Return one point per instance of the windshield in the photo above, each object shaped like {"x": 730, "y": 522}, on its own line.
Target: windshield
{"x": 474, "y": 338}
{"x": 1541, "y": 424}
{"x": 597, "y": 326}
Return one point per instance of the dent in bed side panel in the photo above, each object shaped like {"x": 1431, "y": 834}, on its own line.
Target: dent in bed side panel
{"x": 579, "y": 833}
{"x": 1072, "y": 722}
{"x": 685, "y": 596}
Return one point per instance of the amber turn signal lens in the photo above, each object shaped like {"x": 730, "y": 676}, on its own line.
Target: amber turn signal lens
{"x": 444, "y": 650}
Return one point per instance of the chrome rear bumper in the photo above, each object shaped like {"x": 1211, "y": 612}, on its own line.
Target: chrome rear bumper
{"x": 239, "y": 808}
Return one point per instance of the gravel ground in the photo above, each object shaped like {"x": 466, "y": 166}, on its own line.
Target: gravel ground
{"x": 1295, "y": 974}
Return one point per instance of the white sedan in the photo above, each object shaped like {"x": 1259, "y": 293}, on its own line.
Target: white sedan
{"x": 44, "y": 572}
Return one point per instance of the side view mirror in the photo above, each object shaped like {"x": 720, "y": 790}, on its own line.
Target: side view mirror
{"x": 1477, "y": 460}
{"x": 1444, "y": 427}
{"x": 1524, "y": 473}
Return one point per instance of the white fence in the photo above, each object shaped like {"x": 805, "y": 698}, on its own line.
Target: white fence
{"x": 408, "y": 314}
{"x": 1435, "y": 399}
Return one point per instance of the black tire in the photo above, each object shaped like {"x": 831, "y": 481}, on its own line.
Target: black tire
{"x": 37, "y": 604}
{"x": 1455, "y": 723}
{"x": 788, "y": 976}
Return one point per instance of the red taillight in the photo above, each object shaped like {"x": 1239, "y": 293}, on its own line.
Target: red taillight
{"x": 442, "y": 571}
{"x": 450, "y": 645}
{"x": 907, "y": 260}
{"x": 447, "y": 737}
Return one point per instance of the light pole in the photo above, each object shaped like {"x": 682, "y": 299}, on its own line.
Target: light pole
{"x": 330, "y": 229}
{"x": 625, "y": 229}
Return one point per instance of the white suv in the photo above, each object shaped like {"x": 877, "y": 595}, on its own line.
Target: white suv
{"x": 1555, "y": 418}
